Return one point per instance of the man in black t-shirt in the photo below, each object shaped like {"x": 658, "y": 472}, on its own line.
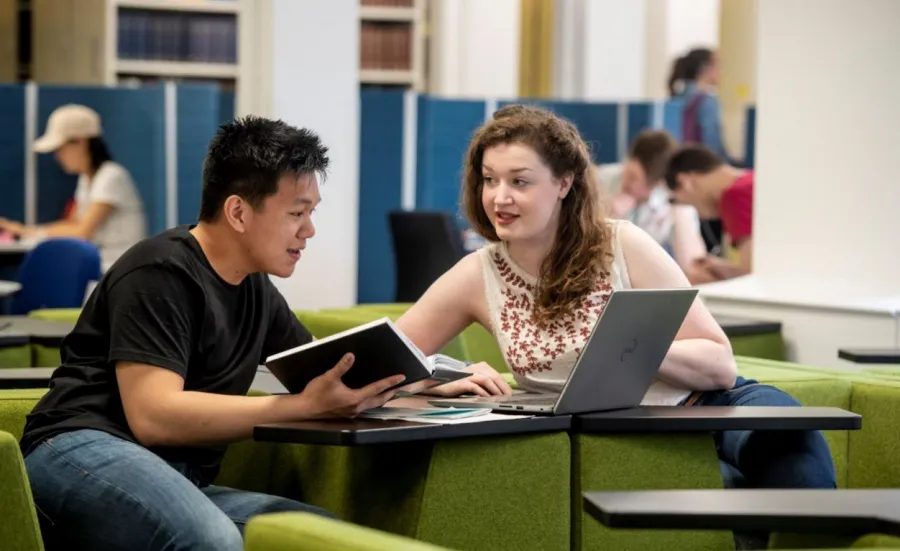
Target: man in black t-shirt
{"x": 122, "y": 451}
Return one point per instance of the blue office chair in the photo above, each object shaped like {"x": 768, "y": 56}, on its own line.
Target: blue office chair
{"x": 55, "y": 274}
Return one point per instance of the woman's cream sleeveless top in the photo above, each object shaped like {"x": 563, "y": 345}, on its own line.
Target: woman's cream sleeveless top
{"x": 541, "y": 359}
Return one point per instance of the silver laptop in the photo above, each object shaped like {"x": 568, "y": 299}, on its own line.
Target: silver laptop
{"x": 617, "y": 364}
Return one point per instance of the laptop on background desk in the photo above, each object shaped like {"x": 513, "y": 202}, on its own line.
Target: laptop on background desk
{"x": 618, "y": 362}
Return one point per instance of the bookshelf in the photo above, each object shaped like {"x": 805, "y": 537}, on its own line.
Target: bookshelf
{"x": 131, "y": 42}
{"x": 9, "y": 37}
{"x": 392, "y": 43}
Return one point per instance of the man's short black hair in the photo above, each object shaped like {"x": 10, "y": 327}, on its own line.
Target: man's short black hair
{"x": 691, "y": 158}
{"x": 249, "y": 156}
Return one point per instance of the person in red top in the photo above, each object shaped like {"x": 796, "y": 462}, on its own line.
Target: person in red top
{"x": 696, "y": 176}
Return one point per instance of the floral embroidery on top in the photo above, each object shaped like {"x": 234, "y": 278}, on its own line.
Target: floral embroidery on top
{"x": 529, "y": 349}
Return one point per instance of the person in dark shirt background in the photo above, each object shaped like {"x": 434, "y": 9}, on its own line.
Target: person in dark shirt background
{"x": 122, "y": 451}
{"x": 696, "y": 176}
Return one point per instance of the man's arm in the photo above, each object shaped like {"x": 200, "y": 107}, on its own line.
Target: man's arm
{"x": 154, "y": 316}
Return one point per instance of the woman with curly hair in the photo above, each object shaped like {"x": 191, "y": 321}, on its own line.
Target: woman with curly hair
{"x": 552, "y": 263}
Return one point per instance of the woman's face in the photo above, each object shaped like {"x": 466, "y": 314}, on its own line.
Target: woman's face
{"x": 72, "y": 156}
{"x": 711, "y": 72}
{"x": 520, "y": 195}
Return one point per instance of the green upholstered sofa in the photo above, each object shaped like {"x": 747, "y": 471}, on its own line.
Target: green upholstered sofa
{"x": 344, "y": 479}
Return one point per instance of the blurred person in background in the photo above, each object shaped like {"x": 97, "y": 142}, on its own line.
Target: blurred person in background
{"x": 695, "y": 78}
{"x": 697, "y": 177}
{"x": 644, "y": 200}
{"x": 107, "y": 209}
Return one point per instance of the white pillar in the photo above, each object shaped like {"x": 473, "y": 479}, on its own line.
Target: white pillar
{"x": 321, "y": 91}
{"x": 474, "y": 48}
{"x": 826, "y": 220}
{"x": 826, "y": 217}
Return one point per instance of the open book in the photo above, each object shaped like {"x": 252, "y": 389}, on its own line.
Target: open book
{"x": 380, "y": 350}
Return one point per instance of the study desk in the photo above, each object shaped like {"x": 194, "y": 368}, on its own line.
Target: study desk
{"x": 22, "y": 330}
{"x": 715, "y": 418}
{"x": 362, "y": 432}
{"x": 736, "y": 326}
{"x": 25, "y": 377}
{"x": 870, "y": 355}
{"x": 9, "y": 288}
{"x": 852, "y": 512}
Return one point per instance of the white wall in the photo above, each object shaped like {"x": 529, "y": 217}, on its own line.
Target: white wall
{"x": 691, "y": 23}
{"x": 474, "y": 49}
{"x": 614, "y": 46}
{"x": 826, "y": 225}
{"x": 315, "y": 83}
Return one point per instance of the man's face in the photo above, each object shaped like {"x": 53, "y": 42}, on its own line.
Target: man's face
{"x": 276, "y": 232}
{"x": 691, "y": 191}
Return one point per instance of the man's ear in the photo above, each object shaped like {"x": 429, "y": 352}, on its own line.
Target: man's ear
{"x": 685, "y": 182}
{"x": 237, "y": 213}
{"x": 565, "y": 185}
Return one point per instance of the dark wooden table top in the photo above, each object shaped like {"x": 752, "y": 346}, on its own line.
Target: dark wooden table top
{"x": 832, "y": 511}
{"x": 735, "y": 326}
{"x": 714, "y": 418}
{"x": 358, "y": 432}
{"x": 870, "y": 355}
{"x": 19, "y": 330}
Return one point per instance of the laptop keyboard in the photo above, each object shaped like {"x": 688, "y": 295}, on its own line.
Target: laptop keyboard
{"x": 523, "y": 399}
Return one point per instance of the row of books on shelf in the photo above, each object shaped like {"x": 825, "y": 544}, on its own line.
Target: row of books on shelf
{"x": 386, "y": 46}
{"x": 391, "y": 3}
{"x": 177, "y": 36}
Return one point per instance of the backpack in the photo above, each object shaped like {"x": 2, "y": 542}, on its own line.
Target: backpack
{"x": 691, "y": 132}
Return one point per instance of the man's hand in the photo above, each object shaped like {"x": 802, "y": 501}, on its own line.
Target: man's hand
{"x": 327, "y": 396}
{"x": 720, "y": 268}
{"x": 621, "y": 204}
{"x": 485, "y": 381}
{"x": 14, "y": 228}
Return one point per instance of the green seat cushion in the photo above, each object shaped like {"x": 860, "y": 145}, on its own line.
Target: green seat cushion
{"x": 19, "y": 527}
{"x": 15, "y": 404}
{"x": 324, "y": 323}
{"x": 763, "y": 345}
{"x": 309, "y": 532}
{"x": 617, "y": 462}
{"x": 15, "y": 356}
{"x": 433, "y": 491}
{"x": 45, "y": 356}
{"x": 874, "y": 449}
{"x": 57, "y": 314}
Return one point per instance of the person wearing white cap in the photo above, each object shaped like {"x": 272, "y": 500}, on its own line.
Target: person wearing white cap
{"x": 108, "y": 209}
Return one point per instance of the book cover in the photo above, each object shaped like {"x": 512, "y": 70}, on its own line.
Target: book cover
{"x": 380, "y": 350}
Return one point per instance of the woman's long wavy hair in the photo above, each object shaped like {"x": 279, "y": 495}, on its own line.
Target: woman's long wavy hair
{"x": 582, "y": 251}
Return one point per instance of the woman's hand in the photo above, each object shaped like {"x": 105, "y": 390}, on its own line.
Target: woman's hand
{"x": 484, "y": 381}
{"x": 14, "y": 228}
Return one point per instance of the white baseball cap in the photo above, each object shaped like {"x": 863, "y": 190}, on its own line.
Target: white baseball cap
{"x": 66, "y": 123}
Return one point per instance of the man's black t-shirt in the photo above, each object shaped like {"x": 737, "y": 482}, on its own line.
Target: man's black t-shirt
{"x": 163, "y": 304}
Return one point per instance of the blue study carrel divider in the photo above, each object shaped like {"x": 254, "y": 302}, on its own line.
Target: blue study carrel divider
{"x": 199, "y": 114}
{"x": 134, "y": 130}
{"x": 12, "y": 152}
{"x": 750, "y": 138}
{"x": 380, "y": 189}
{"x": 445, "y": 128}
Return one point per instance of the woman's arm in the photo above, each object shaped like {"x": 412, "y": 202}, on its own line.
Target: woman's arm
{"x": 82, "y": 227}
{"x": 450, "y": 305}
{"x": 701, "y": 356}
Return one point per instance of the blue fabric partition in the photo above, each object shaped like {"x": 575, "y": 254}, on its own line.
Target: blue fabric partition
{"x": 640, "y": 118}
{"x": 445, "y": 128}
{"x": 199, "y": 113}
{"x": 227, "y": 107}
{"x": 750, "y": 138}
{"x": 135, "y": 132}
{"x": 380, "y": 181}
{"x": 597, "y": 123}
{"x": 12, "y": 152}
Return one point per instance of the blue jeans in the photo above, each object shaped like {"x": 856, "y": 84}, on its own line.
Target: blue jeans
{"x": 769, "y": 459}
{"x": 96, "y": 491}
